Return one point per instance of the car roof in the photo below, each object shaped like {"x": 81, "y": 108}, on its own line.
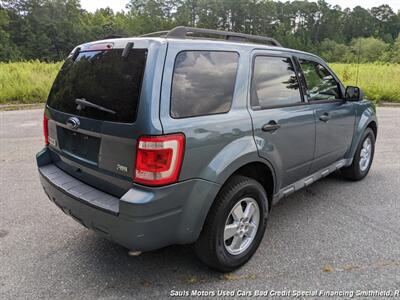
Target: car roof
{"x": 239, "y": 45}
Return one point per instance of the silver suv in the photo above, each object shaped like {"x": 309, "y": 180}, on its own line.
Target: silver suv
{"x": 191, "y": 135}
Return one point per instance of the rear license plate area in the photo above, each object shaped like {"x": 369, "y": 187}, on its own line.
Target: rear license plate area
{"x": 79, "y": 144}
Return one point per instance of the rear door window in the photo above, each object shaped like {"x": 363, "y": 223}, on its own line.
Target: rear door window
{"x": 274, "y": 83}
{"x": 103, "y": 78}
{"x": 203, "y": 83}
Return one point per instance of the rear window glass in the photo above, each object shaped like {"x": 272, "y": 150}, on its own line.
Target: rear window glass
{"x": 203, "y": 83}
{"x": 103, "y": 78}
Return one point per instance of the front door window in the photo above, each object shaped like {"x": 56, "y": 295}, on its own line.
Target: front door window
{"x": 321, "y": 84}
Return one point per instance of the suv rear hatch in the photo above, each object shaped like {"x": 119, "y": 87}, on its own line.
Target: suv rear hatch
{"x": 92, "y": 113}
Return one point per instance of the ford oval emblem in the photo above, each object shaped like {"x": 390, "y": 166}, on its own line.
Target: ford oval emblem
{"x": 73, "y": 123}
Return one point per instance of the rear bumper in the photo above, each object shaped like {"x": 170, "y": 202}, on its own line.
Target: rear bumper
{"x": 143, "y": 219}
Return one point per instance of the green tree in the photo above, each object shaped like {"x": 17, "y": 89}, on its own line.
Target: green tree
{"x": 8, "y": 50}
{"x": 387, "y": 23}
{"x": 45, "y": 29}
{"x": 334, "y": 52}
{"x": 330, "y": 23}
{"x": 49, "y": 29}
{"x": 369, "y": 49}
{"x": 151, "y": 15}
{"x": 358, "y": 23}
{"x": 394, "y": 54}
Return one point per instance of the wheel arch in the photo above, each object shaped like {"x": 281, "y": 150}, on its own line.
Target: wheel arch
{"x": 367, "y": 119}
{"x": 374, "y": 128}
{"x": 261, "y": 173}
{"x": 260, "y": 170}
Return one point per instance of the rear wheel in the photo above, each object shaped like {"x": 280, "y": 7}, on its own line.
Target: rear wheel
{"x": 363, "y": 157}
{"x": 234, "y": 226}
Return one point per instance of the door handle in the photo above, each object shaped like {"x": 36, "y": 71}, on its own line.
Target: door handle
{"x": 325, "y": 117}
{"x": 271, "y": 126}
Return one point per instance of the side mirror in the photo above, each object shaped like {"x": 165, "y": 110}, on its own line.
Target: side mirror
{"x": 354, "y": 93}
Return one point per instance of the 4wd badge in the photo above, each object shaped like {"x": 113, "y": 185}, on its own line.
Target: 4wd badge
{"x": 122, "y": 168}
{"x": 52, "y": 141}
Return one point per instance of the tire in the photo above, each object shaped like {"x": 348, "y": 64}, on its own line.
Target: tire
{"x": 212, "y": 247}
{"x": 358, "y": 170}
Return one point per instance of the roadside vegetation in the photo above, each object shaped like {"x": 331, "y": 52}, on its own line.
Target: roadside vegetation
{"x": 380, "y": 82}
{"x": 26, "y": 82}
{"x": 36, "y": 34}
{"x": 30, "y": 82}
{"x": 49, "y": 29}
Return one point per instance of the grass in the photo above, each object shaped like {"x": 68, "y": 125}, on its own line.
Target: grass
{"x": 380, "y": 82}
{"x": 26, "y": 82}
{"x": 30, "y": 82}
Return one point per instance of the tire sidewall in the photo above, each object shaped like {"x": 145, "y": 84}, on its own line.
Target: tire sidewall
{"x": 254, "y": 190}
{"x": 367, "y": 133}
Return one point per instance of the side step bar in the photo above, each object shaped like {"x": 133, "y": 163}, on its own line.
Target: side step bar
{"x": 310, "y": 179}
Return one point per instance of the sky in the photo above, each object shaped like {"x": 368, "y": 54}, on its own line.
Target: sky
{"x": 117, "y": 5}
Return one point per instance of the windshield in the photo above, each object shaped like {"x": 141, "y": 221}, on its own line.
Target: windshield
{"x": 104, "y": 78}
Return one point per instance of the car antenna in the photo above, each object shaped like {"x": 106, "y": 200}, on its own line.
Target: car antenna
{"x": 358, "y": 60}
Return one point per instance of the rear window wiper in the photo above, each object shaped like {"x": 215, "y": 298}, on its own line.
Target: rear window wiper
{"x": 82, "y": 103}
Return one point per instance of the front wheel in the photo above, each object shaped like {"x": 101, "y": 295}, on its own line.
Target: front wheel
{"x": 234, "y": 226}
{"x": 363, "y": 157}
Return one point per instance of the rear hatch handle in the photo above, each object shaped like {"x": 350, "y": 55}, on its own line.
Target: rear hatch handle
{"x": 82, "y": 103}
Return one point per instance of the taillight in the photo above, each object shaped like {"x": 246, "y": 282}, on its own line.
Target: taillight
{"x": 46, "y": 129}
{"x": 159, "y": 159}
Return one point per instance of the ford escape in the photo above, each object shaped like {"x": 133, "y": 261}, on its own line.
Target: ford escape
{"x": 189, "y": 136}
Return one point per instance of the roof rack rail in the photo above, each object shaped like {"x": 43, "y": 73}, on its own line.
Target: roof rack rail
{"x": 182, "y": 32}
{"x": 156, "y": 33}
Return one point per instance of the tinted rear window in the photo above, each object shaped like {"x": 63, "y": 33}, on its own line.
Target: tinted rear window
{"x": 104, "y": 78}
{"x": 203, "y": 83}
